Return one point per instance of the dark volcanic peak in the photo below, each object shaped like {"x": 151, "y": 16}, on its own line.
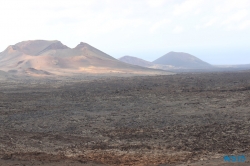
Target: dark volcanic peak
{"x": 184, "y": 60}
{"x": 135, "y": 61}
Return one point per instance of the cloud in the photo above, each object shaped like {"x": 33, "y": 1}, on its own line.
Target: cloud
{"x": 187, "y": 6}
{"x": 156, "y": 3}
{"x": 210, "y": 22}
{"x": 244, "y": 25}
{"x": 159, "y": 24}
{"x": 227, "y": 6}
{"x": 112, "y": 21}
{"x": 207, "y": 23}
{"x": 178, "y": 29}
{"x": 238, "y": 16}
{"x": 241, "y": 26}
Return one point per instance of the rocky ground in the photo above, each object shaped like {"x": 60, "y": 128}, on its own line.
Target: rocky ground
{"x": 183, "y": 119}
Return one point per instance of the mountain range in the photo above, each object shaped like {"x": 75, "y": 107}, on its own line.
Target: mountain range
{"x": 41, "y": 57}
{"x": 52, "y": 58}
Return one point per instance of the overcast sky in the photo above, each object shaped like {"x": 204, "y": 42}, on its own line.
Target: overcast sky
{"x": 217, "y": 31}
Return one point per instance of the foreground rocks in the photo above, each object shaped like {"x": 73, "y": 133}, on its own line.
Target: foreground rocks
{"x": 177, "y": 119}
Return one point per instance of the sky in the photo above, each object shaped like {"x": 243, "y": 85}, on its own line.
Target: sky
{"x": 216, "y": 31}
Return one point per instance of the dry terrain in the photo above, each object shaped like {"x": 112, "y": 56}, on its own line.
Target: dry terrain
{"x": 183, "y": 119}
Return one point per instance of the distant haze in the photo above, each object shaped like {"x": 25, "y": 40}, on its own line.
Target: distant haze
{"x": 217, "y": 32}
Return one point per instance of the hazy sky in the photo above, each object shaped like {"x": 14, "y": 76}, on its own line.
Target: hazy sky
{"x": 217, "y": 31}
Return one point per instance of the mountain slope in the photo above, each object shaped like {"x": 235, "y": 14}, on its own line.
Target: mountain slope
{"x": 182, "y": 60}
{"x": 135, "y": 61}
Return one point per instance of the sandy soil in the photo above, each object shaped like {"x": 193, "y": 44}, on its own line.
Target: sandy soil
{"x": 184, "y": 119}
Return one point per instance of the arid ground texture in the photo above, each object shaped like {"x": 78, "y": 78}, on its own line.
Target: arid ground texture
{"x": 182, "y": 119}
